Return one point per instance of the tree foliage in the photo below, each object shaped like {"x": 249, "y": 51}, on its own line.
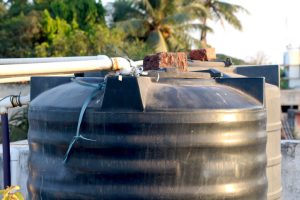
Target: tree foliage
{"x": 30, "y": 28}
{"x": 18, "y": 35}
{"x": 163, "y": 25}
{"x": 61, "y": 28}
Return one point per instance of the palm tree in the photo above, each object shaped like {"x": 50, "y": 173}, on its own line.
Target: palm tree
{"x": 220, "y": 11}
{"x": 163, "y": 24}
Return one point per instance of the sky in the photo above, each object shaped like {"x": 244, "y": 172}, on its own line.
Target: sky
{"x": 268, "y": 29}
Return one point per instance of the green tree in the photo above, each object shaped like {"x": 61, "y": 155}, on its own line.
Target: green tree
{"x": 19, "y": 34}
{"x": 163, "y": 24}
{"x": 113, "y": 42}
{"x": 17, "y": 7}
{"x": 63, "y": 39}
{"x": 62, "y": 28}
{"x": 60, "y": 38}
{"x": 85, "y": 13}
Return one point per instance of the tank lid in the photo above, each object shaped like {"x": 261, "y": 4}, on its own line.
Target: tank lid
{"x": 152, "y": 94}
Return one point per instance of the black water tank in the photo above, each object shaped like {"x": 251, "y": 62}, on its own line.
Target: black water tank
{"x": 170, "y": 139}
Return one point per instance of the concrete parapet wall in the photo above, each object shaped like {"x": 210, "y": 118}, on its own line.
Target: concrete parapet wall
{"x": 291, "y": 169}
{"x": 14, "y": 88}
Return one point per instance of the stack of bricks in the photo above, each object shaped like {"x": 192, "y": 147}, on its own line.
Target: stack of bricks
{"x": 177, "y": 60}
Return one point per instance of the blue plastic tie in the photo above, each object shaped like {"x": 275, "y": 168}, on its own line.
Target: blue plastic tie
{"x": 83, "y": 109}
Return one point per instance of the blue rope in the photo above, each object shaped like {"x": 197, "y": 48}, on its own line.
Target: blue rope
{"x": 87, "y": 101}
{"x": 83, "y": 83}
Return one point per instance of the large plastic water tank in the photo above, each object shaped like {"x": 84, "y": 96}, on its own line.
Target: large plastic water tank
{"x": 292, "y": 57}
{"x": 167, "y": 138}
{"x": 273, "y": 106}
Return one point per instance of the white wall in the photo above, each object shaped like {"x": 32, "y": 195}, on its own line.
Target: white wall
{"x": 19, "y": 167}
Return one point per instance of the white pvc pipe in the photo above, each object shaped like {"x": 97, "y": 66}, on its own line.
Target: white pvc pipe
{"x": 290, "y": 141}
{"x": 26, "y": 78}
{"x": 9, "y": 61}
{"x": 104, "y": 63}
{"x": 15, "y": 79}
{"x": 139, "y": 62}
{"x": 51, "y": 68}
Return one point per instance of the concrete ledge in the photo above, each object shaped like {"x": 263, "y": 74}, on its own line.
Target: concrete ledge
{"x": 290, "y": 172}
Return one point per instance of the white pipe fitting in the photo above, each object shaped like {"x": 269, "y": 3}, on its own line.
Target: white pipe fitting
{"x": 13, "y": 101}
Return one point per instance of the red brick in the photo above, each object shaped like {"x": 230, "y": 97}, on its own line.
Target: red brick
{"x": 203, "y": 54}
{"x": 166, "y": 60}
{"x": 199, "y": 54}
